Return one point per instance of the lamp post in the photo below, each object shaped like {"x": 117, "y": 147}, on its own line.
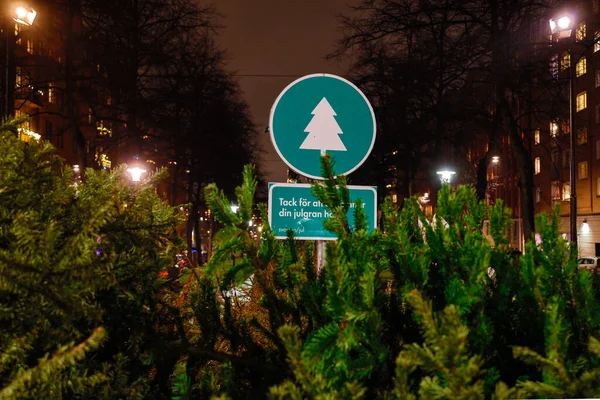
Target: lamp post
{"x": 23, "y": 15}
{"x": 446, "y": 175}
{"x": 136, "y": 173}
{"x": 561, "y": 28}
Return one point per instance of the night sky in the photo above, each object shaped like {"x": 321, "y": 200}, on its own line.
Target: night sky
{"x": 278, "y": 37}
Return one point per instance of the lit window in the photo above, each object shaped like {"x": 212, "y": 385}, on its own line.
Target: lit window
{"x": 581, "y": 66}
{"x": 553, "y": 129}
{"x": 538, "y": 195}
{"x": 102, "y": 159}
{"x": 536, "y": 136}
{"x": 89, "y": 115}
{"x": 537, "y": 167}
{"x": 18, "y": 78}
{"x": 554, "y": 66}
{"x": 394, "y": 198}
{"x": 556, "y": 192}
{"x": 597, "y": 78}
{"x": 582, "y": 170}
{"x": 27, "y": 135}
{"x": 581, "y": 32}
{"x": 581, "y": 101}
{"x": 51, "y": 93}
{"x": 104, "y": 129}
{"x": 566, "y": 192}
{"x": 582, "y": 136}
{"x": 565, "y": 61}
{"x": 596, "y": 41}
{"x": 598, "y": 186}
{"x": 30, "y": 46}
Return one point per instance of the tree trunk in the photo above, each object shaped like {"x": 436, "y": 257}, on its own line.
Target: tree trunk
{"x": 525, "y": 165}
{"x": 70, "y": 86}
{"x": 482, "y": 182}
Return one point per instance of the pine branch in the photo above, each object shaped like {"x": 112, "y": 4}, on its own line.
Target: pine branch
{"x": 67, "y": 355}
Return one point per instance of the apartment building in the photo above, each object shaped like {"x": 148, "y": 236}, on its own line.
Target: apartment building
{"x": 49, "y": 81}
{"x": 551, "y": 147}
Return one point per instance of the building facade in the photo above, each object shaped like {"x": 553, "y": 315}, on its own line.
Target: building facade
{"x": 551, "y": 148}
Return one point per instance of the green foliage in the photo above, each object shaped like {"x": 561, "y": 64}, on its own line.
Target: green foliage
{"x": 425, "y": 307}
{"x": 79, "y": 264}
{"x": 451, "y": 373}
{"x": 429, "y": 307}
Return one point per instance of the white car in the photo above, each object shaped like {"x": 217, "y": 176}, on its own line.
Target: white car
{"x": 590, "y": 263}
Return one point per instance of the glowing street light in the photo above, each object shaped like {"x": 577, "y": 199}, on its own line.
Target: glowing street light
{"x": 234, "y": 208}
{"x": 585, "y": 228}
{"x": 24, "y": 15}
{"x": 561, "y": 26}
{"x": 136, "y": 173}
{"x": 446, "y": 175}
{"x": 495, "y": 159}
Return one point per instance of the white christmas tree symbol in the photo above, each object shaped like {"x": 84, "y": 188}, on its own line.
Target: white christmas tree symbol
{"x": 323, "y": 130}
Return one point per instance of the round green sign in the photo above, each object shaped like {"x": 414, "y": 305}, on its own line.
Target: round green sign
{"x": 322, "y": 114}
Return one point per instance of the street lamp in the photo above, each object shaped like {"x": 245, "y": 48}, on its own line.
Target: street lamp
{"x": 446, "y": 175}
{"x": 561, "y": 28}
{"x": 136, "y": 173}
{"x": 23, "y": 15}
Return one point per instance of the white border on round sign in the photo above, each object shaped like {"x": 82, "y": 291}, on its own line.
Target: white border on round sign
{"x": 271, "y": 130}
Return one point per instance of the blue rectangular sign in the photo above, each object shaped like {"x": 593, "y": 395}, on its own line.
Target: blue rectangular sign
{"x": 293, "y": 206}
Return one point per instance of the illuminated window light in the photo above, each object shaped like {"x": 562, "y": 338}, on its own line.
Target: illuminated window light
{"x": 105, "y": 161}
{"x": 102, "y": 129}
{"x": 27, "y": 135}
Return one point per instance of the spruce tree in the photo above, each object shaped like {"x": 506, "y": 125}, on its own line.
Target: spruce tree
{"x": 423, "y": 308}
{"x": 420, "y": 308}
{"x": 80, "y": 296}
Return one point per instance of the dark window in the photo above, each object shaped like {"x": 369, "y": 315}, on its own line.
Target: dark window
{"x": 555, "y": 164}
{"x": 48, "y": 131}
